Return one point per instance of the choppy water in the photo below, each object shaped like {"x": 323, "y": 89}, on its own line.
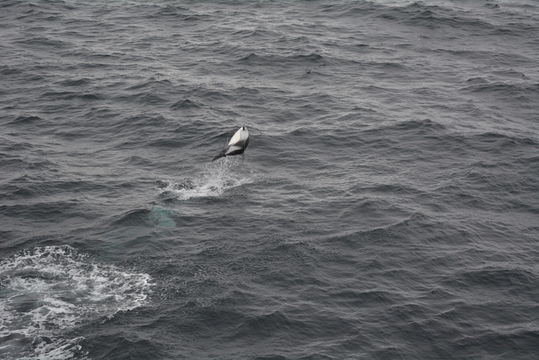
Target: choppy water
{"x": 387, "y": 207}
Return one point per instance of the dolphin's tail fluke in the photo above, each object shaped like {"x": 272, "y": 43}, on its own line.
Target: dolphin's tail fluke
{"x": 218, "y": 156}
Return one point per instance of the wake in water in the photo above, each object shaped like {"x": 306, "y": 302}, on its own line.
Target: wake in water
{"x": 46, "y": 292}
{"x": 216, "y": 178}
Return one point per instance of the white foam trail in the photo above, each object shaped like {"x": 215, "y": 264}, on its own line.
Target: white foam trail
{"x": 216, "y": 178}
{"x": 50, "y": 290}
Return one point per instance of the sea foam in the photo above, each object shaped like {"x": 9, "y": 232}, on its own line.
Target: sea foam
{"x": 48, "y": 291}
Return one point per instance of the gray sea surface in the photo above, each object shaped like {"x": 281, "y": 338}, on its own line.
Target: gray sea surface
{"x": 387, "y": 206}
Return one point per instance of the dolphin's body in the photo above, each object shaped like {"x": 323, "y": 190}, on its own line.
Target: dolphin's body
{"x": 237, "y": 144}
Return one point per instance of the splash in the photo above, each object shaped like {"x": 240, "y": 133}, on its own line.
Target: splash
{"x": 47, "y": 292}
{"x": 216, "y": 178}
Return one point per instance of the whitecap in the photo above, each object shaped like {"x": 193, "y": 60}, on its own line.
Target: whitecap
{"x": 48, "y": 291}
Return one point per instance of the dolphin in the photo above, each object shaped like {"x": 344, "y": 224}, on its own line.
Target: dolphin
{"x": 237, "y": 144}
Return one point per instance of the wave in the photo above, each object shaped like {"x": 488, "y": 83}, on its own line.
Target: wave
{"x": 40, "y": 186}
{"x": 433, "y": 17}
{"x": 71, "y": 95}
{"x": 16, "y": 162}
{"x": 25, "y": 120}
{"x": 500, "y": 57}
{"x": 415, "y": 228}
{"x": 49, "y": 291}
{"x": 125, "y": 346}
{"x": 134, "y": 217}
{"x": 282, "y": 60}
{"x": 490, "y": 141}
{"x": 43, "y": 41}
{"x": 438, "y": 134}
{"x": 260, "y": 33}
{"x": 44, "y": 211}
{"x": 179, "y": 13}
{"x": 185, "y": 104}
{"x": 10, "y": 70}
{"x": 155, "y": 216}
{"x": 210, "y": 94}
{"x": 365, "y": 298}
{"x": 513, "y": 342}
{"x": 145, "y": 98}
{"x": 152, "y": 83}
{"x": 413, "y": 126}
{"x": 312, "y": 57}
{"x": 524, "y": 92}
{"x": 506, "y": 278}
{"x": 134, "y": 123}
{"x": 75, "y": 82}
{"x": 267, "y": 324}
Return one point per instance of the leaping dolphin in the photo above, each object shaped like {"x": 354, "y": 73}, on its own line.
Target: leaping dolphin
{"x": 237, "y": 144}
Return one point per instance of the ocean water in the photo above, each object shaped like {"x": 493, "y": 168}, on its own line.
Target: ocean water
{"x": 387, "y": 206}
